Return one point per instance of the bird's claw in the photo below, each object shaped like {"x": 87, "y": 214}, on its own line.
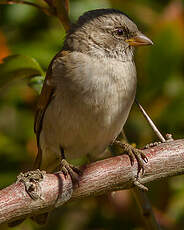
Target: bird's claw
{"x": 138, "y": 155}
{"x": 133, "y": 153}
{"x": 68, "y": 169}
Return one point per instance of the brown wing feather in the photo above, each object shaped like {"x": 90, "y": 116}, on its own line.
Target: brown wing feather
{"x": 43, "y": 101}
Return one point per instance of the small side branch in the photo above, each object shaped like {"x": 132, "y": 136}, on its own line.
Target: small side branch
{"x": 100, "y": 177}
{"x": 11, "y": 2}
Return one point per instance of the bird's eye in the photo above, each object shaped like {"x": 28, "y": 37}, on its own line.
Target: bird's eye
{"x": 119, "y": 32}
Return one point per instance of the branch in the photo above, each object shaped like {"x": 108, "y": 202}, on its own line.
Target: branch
{"x": 62, "y": 12}
{"x": 46, "y": 10}
{"x": 145, "y": 207}
{"x": 115, "y": 173}
{"x": 140, "y": 196}
{"x": 57, "y": 8}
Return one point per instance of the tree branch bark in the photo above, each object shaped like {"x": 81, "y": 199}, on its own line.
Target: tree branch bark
{"x": 115, "y": 173}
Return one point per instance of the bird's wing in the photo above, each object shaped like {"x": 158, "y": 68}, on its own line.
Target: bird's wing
{"x": 46, "y": 96}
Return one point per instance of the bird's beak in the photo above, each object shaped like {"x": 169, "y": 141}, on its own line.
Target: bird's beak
{"x": 139, "y": 40}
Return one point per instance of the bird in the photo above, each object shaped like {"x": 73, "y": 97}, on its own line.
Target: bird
{"x": 88, "y": 91}
{"x": 87, "y": 94}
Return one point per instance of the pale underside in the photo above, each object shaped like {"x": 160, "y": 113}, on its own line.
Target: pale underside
{"x": 90, "y": 107}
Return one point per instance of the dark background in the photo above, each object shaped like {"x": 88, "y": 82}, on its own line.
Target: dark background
{"x": 26, "y": 30}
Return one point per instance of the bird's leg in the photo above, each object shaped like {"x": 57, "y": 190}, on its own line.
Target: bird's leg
{"x": 132, "y": 152}
{"x": 69, "y": 169}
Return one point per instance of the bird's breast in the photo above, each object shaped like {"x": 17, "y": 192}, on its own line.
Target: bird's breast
{"x": 107, "y": 91}
{"x": 91, "y": 106}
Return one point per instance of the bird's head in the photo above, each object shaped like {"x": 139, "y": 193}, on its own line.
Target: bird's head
{"x": 106, "y": 32}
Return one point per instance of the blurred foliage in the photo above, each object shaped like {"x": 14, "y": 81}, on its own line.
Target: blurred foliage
{"x": 27, "y": 31}
{"x": 18, "y": 66}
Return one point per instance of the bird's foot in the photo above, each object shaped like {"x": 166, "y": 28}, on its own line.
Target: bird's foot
{"x": 133, "y": 153}
{"x": 69, "y": 169}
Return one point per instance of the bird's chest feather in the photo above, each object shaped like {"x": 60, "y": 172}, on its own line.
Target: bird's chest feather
{"x": 91, "y": 108}
{"x": 105, "y": 91}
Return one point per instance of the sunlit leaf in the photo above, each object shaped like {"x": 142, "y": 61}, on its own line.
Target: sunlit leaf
{"x": 17, "y": 67}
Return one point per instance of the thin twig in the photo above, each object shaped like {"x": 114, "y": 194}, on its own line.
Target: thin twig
{"x": 146, "y": 210}
{"x": 62, "y": 7}
{"x": 11, "y": 2}
{"x": 151, "y": 123}
{"x": 140, "y": 196}
{"x": 67, "y": 6}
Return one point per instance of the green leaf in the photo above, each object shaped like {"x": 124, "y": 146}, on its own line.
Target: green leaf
{"x": 17, "y": 67}
{"x": 36, "y": 83}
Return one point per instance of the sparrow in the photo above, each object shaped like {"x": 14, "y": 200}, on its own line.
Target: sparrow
{"x": 88, "y": 91}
